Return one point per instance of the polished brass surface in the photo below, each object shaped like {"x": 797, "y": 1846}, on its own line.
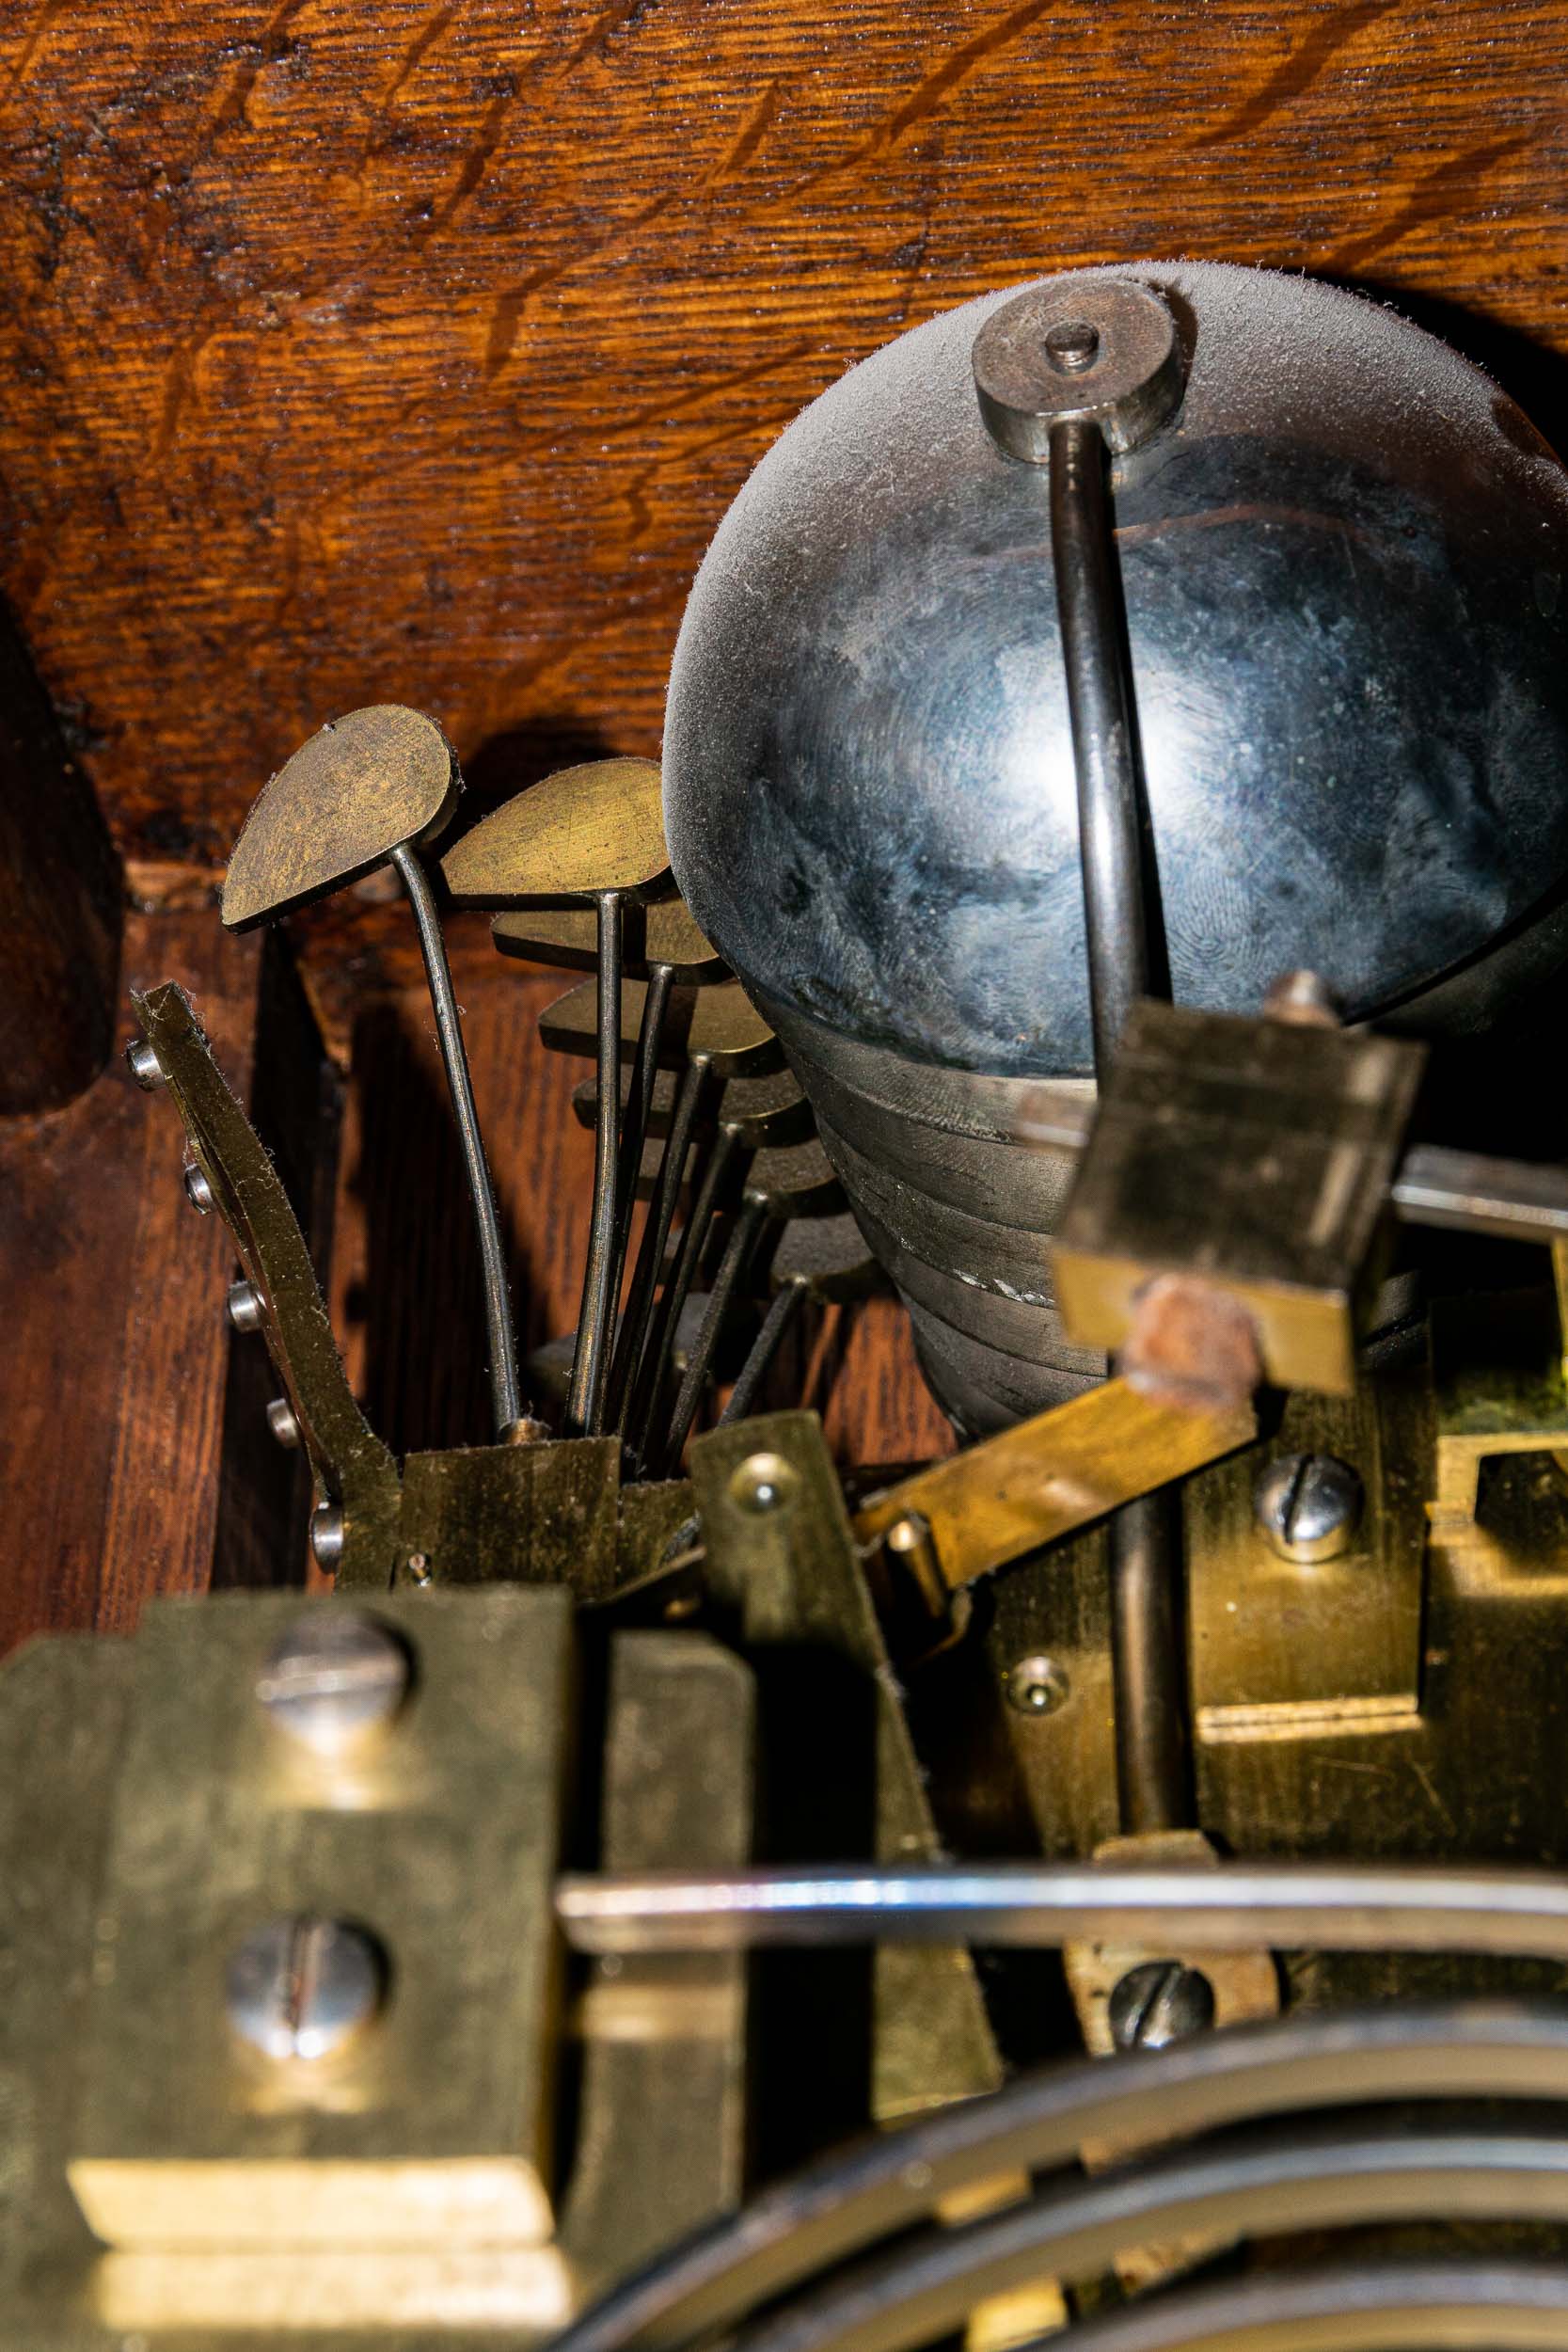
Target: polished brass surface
{"x": 360, "y": 789}
{"x": 433, "y": 2127}
{"x": 780, "y": 1550}
{"x": 578, "y": 833}
{"x": 1254, "y": 1155}
{"x": 718, "y": 1023}
{"x": 1039, "y": 1481}
{"x": 1274, "y": 1643}
{"x": 663, "y": 933}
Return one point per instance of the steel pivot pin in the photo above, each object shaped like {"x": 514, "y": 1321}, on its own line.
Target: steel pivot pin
{"x": 593, "y": 832}
{"x": 363, "y": 793}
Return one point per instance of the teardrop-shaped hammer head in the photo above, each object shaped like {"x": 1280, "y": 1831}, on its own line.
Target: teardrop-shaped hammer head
{"x": 583, "y": 830}
{"x": 359, "y": 790}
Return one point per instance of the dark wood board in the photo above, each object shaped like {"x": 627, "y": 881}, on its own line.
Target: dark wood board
{"x": 412, "y": 352}
{"x": 113, "y": 1372}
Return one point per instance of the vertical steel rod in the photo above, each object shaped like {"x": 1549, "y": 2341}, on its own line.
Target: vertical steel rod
{"x": 1154, "y": 1776}
{"x": 632, "y": 1338}
{"x": 661, "y": 1338}
{"x": 591, "y": 1356}
{"x": 754, "y": 1371}
{"x": 1110, "y": 824}
{"x": 505, "y": 1396}
{"x": 640, "y": 1096}
{"x": 1147, "y": 1660}
{"x": 742, "y": 1241}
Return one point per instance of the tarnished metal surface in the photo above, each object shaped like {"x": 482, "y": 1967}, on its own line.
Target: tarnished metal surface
{"x": 360, "y": 789}
{"x": 576, "y": 834}
{"x": 717, "y": 1024}
{"x": 662, "y": 2145}
{"x": 1352, "y": 710}
{"x": 663, "y": 932}
{"x": 780, "y": 1548}
{"x": 1340, "y": 498}
{"x": 353, "y": 1467}
{"x": 1256, "y": 1155}
{"x": 433, "y": 2127}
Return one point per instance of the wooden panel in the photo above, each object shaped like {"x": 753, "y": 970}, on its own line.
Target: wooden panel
{"x": 111, "y": 1299}
{"x": 414, "y": 351}
{"x": 62, "y": 890}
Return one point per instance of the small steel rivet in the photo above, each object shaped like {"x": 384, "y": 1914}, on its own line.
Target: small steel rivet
{"x": 302, "y": 1988}
{"x": 244, "y": 1305}
{"x": 281, "y": 1421}
{"x": 327, "y": 1534}
{"x": 334, "y": 1679}
{"x": 1159, "y": 2002}
{"x": 1072, "y": 346}
{"x": 141, "y": 1059}
{"x": 1308, "y": 1506}
{"x": 1038, "y": 1685}
{"x": 764, "y": 1482}
{"x": 199, "y": 1192}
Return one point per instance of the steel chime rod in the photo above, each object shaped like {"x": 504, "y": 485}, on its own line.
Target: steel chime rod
{"x": 591, "y": 834}
{"x": 776, "y": 1327}
{"x": 590, "y": 1358}
{"x": 505, "y": 1393}
{"x": 632, "y": 1339}
{"x": 1342, "y": 1906}
{"x": 660, "y": 1340}
{"x": 743, "y": 1239}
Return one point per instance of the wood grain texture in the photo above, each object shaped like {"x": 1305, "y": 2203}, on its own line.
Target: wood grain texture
{"x": 413, "y": 353}
{"x": 112, "y": 1378}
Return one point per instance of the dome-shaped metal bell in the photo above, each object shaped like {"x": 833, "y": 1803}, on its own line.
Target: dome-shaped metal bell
{"x": 1342, "y": 560}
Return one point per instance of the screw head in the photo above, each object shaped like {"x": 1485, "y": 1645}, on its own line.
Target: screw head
{"x": 199, "y": 1192}
{"x": 1072, "y": 346}
{"x": 763, "y": 1483}
{"x": 1159, "y": 2002}
{"x": 302, "y": 1988}
{"x": 327, "y": 1534}
{"x": 281, "y": 1421}
{"x": 141, "y": 1059}
{"x": 1038, "y": 1685}
{"x": 335, "y": 1679}
{"x": 244, "y": 1306}
{"x": 1308, "y": 1506}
